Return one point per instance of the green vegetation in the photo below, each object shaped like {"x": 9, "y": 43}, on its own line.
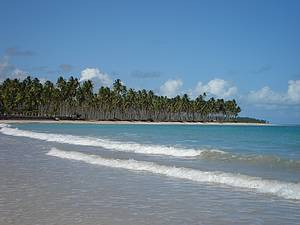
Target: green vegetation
{"x": 249, "y": 120}
{"x": 70, "y": 99}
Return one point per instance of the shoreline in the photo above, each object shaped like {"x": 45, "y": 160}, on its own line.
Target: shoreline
{"x": 132, "y": 122}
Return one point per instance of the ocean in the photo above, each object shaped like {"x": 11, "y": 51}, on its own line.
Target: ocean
{"x": 149, "y": 174}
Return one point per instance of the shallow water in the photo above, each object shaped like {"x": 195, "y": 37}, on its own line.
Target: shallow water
{"x": 141, "y": 174}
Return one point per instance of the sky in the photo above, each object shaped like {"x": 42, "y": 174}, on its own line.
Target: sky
{"x": 248, "y": 50}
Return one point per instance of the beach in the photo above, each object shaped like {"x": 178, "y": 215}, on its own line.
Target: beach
{"x": 132, "y": 122}
{"x": 150, "y": 112}
{"x": 71, "y": 172}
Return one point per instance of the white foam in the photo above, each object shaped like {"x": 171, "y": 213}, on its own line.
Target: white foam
{"x": 4, "y": 125}
{"x": 278, "y": 188}
{"x": 107, "y": 144}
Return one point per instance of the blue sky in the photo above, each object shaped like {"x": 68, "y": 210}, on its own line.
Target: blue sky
{"x": 248, "y": 50}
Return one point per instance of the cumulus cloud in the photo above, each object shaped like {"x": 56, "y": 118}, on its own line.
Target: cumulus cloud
{"x": 17, "y": 73}
{"x": 3, "y": 67}
{"x": 293, "y": 91}
{"x": 266, "y": 96}
{"x": 43, "y": 80}
{"x": 216, "y": 87}
{"x": 171, "y": 87}
{"x": 11, "y": 71}
{"x": 8, "y": 70}
{"x": 96, "y": 75}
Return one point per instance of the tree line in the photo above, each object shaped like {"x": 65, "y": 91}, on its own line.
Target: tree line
{"x": 71, "y": 99}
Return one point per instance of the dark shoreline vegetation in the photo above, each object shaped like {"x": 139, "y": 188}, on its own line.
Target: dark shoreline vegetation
{"x": 72, "y": 100}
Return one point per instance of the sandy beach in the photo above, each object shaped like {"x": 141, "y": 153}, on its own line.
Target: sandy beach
{"x": 132, "y": 122}
{"x": 55, "y": 172}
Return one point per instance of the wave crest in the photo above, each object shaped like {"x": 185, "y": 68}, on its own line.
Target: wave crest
{"x": 106, "y": 143}
{"x": 278, "y": 188}
{"x": 132, "y": 147}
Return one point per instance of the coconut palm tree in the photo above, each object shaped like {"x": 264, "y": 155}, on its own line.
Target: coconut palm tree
{"x": 72, "y": 99}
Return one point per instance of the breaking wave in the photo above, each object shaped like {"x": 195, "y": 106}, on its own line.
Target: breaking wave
{"x": 106, "y": 143}
{"x": 278, "y": 188}
{"x": 133, "y": 147}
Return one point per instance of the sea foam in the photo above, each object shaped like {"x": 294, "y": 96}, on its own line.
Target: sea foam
{"x": 278, "y": 188}
{"x": 151, "y": 149}
{"x": 108, "y": 144}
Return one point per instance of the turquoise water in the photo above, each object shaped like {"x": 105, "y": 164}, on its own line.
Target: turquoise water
{"x": 167, "y": 174}
{"x": 281, "y": 141}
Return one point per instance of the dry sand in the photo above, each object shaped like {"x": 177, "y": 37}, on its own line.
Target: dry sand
{"x": 130, "y": 122}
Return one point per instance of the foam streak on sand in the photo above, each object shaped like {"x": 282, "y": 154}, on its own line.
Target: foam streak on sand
{"x": 278, "y": 188}
{"x": 106, "y": 143}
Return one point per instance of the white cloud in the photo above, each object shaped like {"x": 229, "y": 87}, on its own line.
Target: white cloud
{"x": 3, "y": 66}
{"x": 267, "y": 96}
{"x": 17, "y": 73}
{"x": 217, "y": 87}
{"x": 171, "y": 87}
{"x": 8, "y": 70}
{"x": 43, "y": 80}
{"x": 293, "y": 91}
{"x": 95, "y": 74}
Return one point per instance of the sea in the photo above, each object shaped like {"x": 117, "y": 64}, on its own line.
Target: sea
{"x": 149, "y": 174}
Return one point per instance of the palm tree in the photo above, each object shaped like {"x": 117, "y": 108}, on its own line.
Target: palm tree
{"x": 71, "y": 99}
